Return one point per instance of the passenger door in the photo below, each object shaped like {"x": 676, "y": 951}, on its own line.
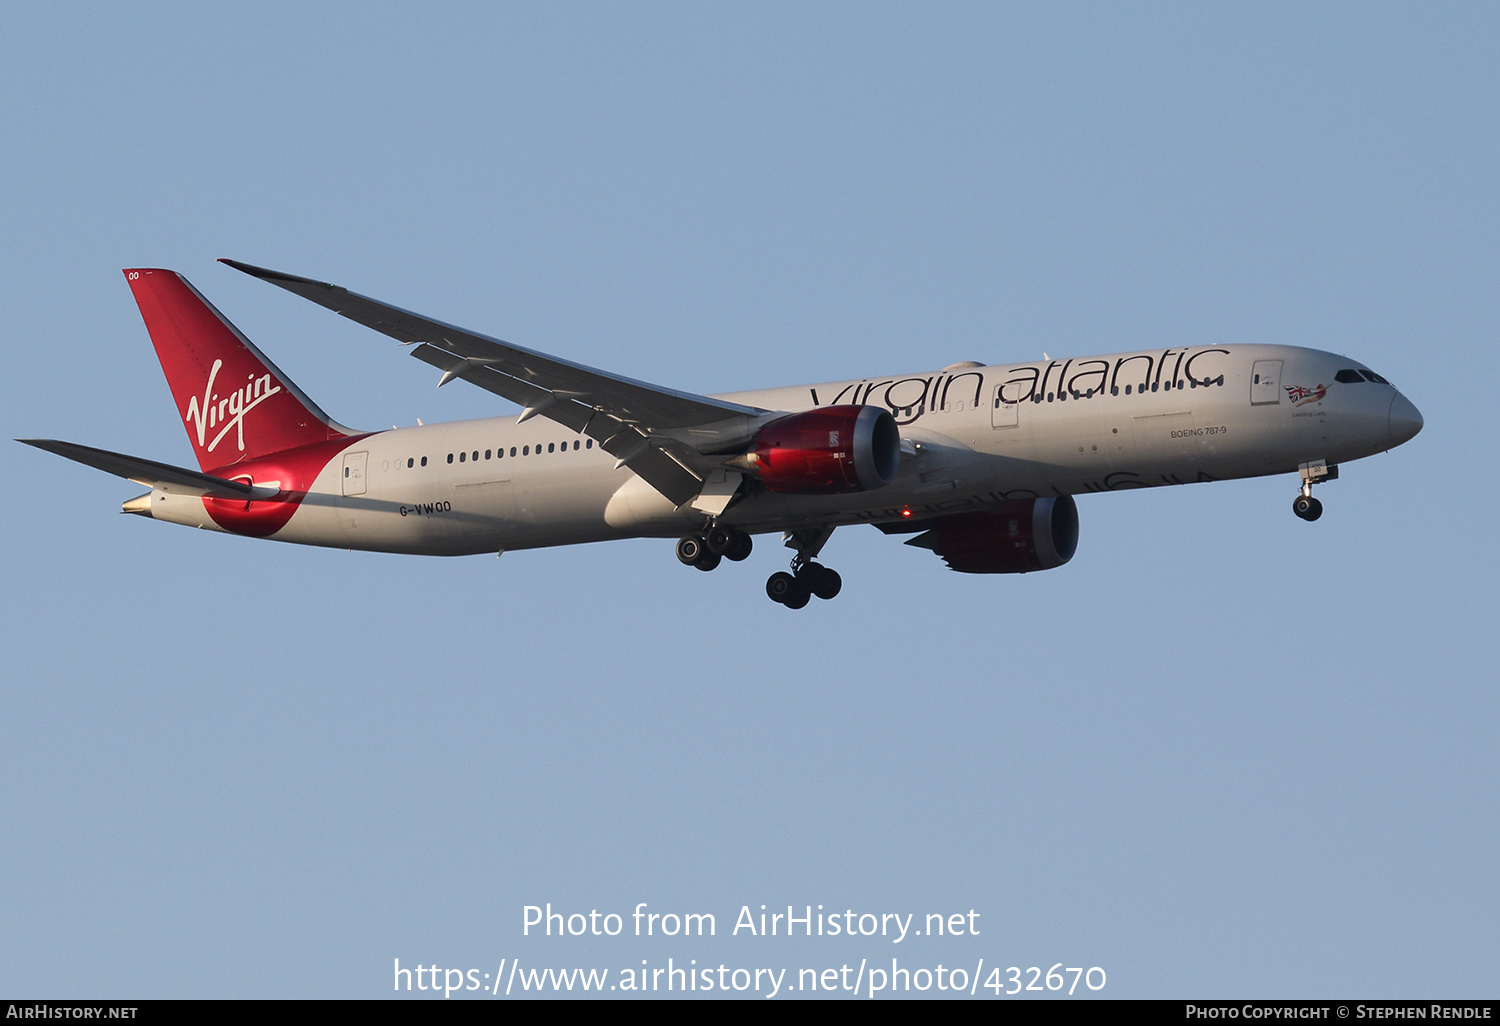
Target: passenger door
{"x": 354, "y": 472}
{"x": 1265, "y": 383}
{"x": 1004, "y": 409}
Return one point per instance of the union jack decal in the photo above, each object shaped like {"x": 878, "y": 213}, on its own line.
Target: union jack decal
{"x": 1301, "y": 396}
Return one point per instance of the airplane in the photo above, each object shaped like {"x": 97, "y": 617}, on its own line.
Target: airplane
{"x": 980, "y": 464}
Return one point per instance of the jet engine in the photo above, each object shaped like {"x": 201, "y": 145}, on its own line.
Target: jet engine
{"x": 827, "y": 450}
{"x": 1011, "y": 538}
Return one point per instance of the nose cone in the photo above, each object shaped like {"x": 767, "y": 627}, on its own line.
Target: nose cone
{"x": 1405, "y": 421}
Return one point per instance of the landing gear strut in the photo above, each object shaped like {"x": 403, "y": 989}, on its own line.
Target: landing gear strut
{"x": 1304, "y": 505}
{"x": 807, "y": 578}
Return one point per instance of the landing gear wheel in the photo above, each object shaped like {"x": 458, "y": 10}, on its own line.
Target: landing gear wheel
{"x": 729, "y": 542}
{"x": 720, "y": 539}
{"x": 1306, "y": 507}
{"x": 741, "y": 548}
{"x": 708, "y": 561}
{"x": 784, "y": 588}
{"x": 820, "y": 580}
{"x": 691, "y": 549}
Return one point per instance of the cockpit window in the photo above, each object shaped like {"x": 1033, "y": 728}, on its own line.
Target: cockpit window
{"x": 1371, "y": 375}
{"x": 1349, "y": 377}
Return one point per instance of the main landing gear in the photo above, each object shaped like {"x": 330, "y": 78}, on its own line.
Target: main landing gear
{"x": 793, "y": 590}
{"x": 719, "y": 542}
{"x": 1304, "y": 505}
{"x": 807, "y": 578}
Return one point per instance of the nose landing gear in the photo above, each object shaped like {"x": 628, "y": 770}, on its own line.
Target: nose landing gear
{"x": 1304, "y": 505}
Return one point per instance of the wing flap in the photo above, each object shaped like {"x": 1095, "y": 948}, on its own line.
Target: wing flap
{"x": 668, "y": 465}
{"x": 663, "y": 471}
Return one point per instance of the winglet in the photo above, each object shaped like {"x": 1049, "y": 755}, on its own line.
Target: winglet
{"x": 269, "y": 275}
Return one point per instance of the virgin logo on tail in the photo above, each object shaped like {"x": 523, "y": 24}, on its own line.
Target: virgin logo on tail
{"x": 227, "y": 412}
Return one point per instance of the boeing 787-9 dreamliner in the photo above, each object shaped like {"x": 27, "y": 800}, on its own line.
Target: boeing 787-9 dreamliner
{"x": 978, "y": 463}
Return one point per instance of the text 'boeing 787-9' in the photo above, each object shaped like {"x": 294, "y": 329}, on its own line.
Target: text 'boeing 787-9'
{"x": 979, "y": 463}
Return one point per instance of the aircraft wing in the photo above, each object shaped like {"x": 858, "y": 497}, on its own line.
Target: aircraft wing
{"x": 149, "y": 472}
{"x": 632, "y": 420}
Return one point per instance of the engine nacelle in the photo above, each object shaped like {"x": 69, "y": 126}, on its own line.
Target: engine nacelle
{"x": 1011, "y": 538}
{"x": 827, "y": 450}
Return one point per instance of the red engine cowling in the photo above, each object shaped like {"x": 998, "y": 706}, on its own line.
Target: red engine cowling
{"x": 827, "y": 450}
{"x": 1011, "y": 538}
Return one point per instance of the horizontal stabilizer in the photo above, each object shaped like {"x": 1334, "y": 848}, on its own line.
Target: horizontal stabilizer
{"x": 149, "y": 472}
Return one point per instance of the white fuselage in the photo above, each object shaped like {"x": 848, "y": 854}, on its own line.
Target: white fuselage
{"x": 971, "y": 437}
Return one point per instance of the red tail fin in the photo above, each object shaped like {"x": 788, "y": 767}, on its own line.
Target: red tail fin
{"x": 233, "y": 401}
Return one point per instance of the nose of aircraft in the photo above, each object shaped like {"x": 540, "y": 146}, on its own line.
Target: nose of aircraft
{"x": 1405, "y": 421}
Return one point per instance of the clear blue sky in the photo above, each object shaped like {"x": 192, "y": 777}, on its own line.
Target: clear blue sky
{"x": 1221, "y": 753}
